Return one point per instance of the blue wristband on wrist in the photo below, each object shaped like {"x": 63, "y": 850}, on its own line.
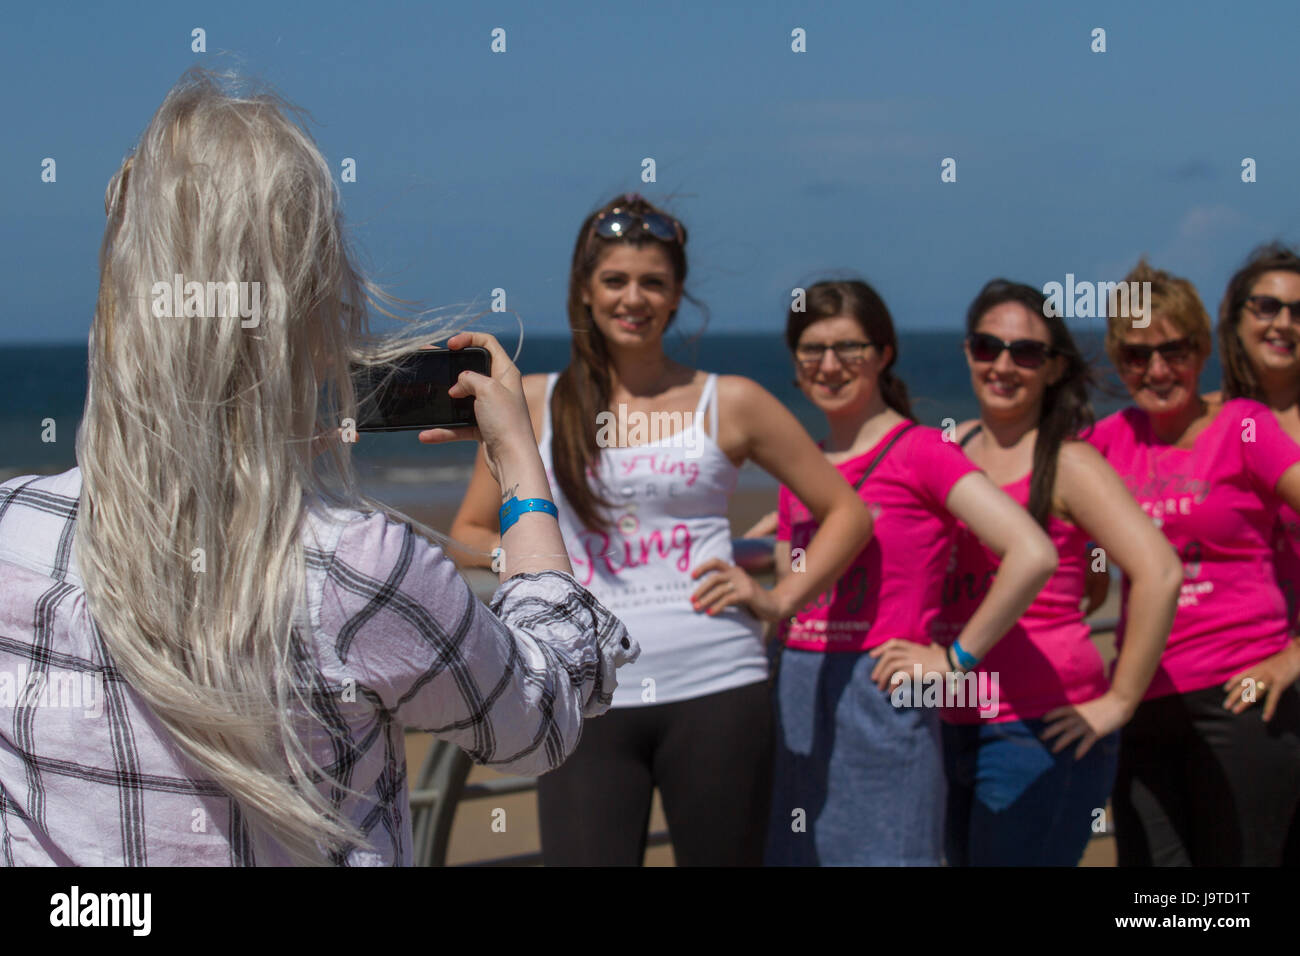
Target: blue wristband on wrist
{"x": 964, "y": 658}
{"x": 512, "y": 509}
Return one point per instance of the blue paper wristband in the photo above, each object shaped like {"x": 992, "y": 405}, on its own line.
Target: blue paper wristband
{"x": 512, "y": 509}
{"x": 964, "y": 658}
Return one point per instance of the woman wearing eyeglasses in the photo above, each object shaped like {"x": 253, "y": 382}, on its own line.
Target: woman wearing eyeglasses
{"x": 1209, "y": 768}
{"x": 1025, "y": 780}
{"x": 1259, "y": 325}
{"x": 859, "y": 772}
{"x": 644, "y": 517}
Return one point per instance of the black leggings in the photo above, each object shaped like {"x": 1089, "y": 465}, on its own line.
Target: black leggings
{"x": 710, "y": 757}
{"x": 1200, "y": 786}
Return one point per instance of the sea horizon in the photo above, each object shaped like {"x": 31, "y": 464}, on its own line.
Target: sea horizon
{"x": 43, "y": 389}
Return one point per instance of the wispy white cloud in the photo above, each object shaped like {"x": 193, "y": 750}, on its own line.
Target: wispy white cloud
{"x": 1193, "y": 246}
{"x": 1198, "y": 240}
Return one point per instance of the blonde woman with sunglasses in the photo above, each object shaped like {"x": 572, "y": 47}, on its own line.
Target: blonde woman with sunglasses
{"x": 1209, "y": 765}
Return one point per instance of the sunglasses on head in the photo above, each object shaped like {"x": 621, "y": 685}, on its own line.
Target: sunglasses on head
{"x": 1027, "y": 353}
{"x": 1269, "y": 306}
{"x": 1138, "y": 357}
{"x": 621, "y": 223}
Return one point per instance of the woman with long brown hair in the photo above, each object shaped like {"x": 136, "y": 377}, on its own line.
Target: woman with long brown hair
{"x": 1024, "y": 783}
{"x": 643, "y": 452}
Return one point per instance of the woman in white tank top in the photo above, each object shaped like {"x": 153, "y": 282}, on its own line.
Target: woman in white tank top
{"x": 643, "y": 453}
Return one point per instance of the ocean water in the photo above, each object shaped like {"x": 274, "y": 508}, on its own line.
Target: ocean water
{"x": 44, "y": 384}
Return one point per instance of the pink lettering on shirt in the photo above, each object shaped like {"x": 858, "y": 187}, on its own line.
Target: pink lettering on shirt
{"x": 596, "y": 546}
{"x": 660, "y": 465}
{"x": 1217, "y": 504}
{"x": 894, "y": 587}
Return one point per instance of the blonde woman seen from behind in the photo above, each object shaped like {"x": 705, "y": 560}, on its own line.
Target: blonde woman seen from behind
{"x": 261, "y": 634}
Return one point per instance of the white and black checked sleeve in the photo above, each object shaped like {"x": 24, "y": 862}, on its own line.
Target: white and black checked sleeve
{"x": 509, "y": 685}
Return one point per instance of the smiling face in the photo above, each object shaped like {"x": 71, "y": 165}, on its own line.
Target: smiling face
{"x": 1270, "y": 346}
{"x": 633, "y": 293}
{"x": 1004, "y": 389}
{"x": 831, "y": 384}
{"x": 1165, "y": 386}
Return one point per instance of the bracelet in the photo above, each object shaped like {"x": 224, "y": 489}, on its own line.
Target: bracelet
{"x": 966, "y": 660}
{"x": 512, "y": 509}
{"x": 952, "y": 665}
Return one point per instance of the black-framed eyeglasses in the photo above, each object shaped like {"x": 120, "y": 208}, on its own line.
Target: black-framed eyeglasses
{"x": 1268, "y": 307}
{"x": 847, "y": 352}
{"x": 1027, "y": 353}
{"x": 1175, "y": 352}
{"x": 620, "y": 223}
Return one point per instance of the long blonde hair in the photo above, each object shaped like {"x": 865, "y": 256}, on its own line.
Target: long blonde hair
{"x": 211, "y": 433}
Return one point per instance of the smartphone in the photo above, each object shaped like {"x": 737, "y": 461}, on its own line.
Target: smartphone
{"x": 413, "y": 396}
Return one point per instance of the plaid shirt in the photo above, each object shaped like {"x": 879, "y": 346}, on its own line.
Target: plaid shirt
{"x": 88, "y": 775}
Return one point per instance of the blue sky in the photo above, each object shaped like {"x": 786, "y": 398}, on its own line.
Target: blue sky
{"x": 474, "y": 169}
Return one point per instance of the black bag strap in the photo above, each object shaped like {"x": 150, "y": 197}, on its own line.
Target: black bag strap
{"x": 883, "y": 452}
{"x": 971, "y": 434}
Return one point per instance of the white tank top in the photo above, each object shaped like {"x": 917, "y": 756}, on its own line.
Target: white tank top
{"x": 670, "y": 516}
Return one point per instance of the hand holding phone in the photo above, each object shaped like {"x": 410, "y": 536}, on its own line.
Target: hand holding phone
{"x": 501, "y": 413}
{"x": 416, "y": 394}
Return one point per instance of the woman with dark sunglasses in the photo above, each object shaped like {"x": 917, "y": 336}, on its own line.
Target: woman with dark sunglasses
{"x": 643, "y": 509}
{"x": 1024, "y": 783}
{"x": 1209, "y": 767}
{"x": 1259, "y": 326}
{"x": 859, "y": 768}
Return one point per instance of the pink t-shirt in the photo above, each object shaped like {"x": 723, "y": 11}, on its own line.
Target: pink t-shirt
{"x": 893, "y": 586}
{"x": 1047, "y": 660}
{"x": 1217, "y": 504}
{"x": 1286, "y": 560}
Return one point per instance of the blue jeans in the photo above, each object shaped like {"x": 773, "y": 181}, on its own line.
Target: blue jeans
{"x": 856, "y": 781}
{"x": 1012, "y": 802}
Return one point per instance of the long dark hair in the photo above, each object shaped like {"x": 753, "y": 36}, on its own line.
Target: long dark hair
{"x": 1066, "y": 412}
{"x": 1239, "y": 379}
{"x": 583, "y": 389}
{"x": 854, "y": 298}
